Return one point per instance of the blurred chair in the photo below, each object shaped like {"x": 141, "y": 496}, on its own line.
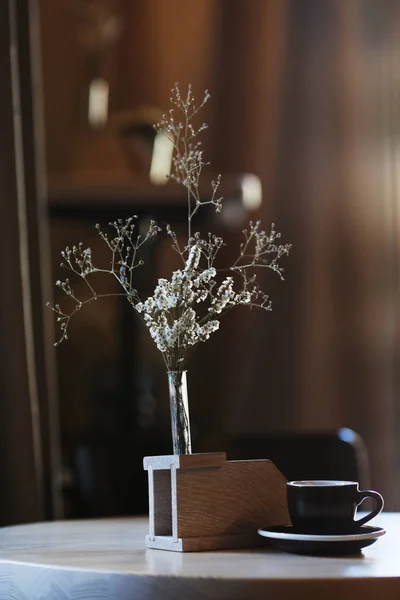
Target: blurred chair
{"x": 339, "y": 454}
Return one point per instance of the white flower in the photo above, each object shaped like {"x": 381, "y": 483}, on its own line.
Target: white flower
{"x": 225, "y": 295}
{"x": 244, "y": 297}
{"x": 194, "y": 258}
{"x": 204, "y": 277}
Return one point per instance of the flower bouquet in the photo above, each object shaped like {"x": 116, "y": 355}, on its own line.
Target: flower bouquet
{"x": 185, "y": 309}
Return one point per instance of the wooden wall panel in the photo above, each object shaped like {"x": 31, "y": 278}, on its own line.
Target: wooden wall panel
{"x": 28, "y": 424}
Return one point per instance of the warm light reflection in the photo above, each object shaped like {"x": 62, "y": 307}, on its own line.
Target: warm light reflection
{"x": 251, "y": 192}
{"x": 98, "y": 103}
{"x": 161, "y": 160}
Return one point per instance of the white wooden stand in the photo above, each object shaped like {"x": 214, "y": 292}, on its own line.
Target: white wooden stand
{"x": 204, "y": 502}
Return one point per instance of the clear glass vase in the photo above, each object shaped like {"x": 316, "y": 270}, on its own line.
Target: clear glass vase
{"x": 178, "y": 398}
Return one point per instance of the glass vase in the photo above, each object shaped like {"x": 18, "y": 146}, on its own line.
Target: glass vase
{"x": 178, "y": 398}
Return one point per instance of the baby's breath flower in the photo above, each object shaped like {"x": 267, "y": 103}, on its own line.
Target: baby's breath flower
{"x": 185, "y": 309}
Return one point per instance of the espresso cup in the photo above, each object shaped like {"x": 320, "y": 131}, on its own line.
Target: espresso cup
{"x": 328, "y": 507}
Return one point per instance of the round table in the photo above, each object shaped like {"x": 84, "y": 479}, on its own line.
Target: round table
{"x": 107, "y": 560}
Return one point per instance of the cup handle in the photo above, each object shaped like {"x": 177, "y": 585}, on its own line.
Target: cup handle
{"x": 379, "y": 505}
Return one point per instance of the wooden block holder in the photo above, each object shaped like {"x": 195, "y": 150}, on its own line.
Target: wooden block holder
{"x": 200, "y": 502}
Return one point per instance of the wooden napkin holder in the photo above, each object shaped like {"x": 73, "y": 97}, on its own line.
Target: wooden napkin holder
{"x": 200, "y": 502}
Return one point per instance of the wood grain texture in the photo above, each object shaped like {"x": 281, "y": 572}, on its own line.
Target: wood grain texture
{"x": 201, "y": 502}
{"x": 237, "y": 498}
{"x": 185, "y": 461}
{"x": 107, "y": 560}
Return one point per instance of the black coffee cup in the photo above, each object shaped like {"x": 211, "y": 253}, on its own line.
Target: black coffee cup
{"x": 328, "y": 507}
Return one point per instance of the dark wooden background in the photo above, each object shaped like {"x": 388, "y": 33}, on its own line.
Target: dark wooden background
{"x": 306, "y": 96}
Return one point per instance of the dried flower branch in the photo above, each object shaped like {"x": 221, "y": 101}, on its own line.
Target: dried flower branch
{"x": 187, "y": 309}
{"x": 124, "y": 244}
{"x": 188, "y": 160}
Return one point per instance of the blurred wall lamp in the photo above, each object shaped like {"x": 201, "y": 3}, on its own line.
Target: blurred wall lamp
{"x": 99, "y": 27}
{"x": 98, "y": 103}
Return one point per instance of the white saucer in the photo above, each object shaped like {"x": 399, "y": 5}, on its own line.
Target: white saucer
{"x": 286, "y": 538}
{"x": 278, "y": 534}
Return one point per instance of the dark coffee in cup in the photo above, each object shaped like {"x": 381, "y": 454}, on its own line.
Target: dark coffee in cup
{"x": 328, "y": 507}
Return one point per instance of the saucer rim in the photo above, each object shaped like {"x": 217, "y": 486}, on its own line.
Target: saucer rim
{"x": 307, "y": 537}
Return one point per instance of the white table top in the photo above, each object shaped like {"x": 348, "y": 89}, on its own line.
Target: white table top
{"x": 107, "y": 559}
